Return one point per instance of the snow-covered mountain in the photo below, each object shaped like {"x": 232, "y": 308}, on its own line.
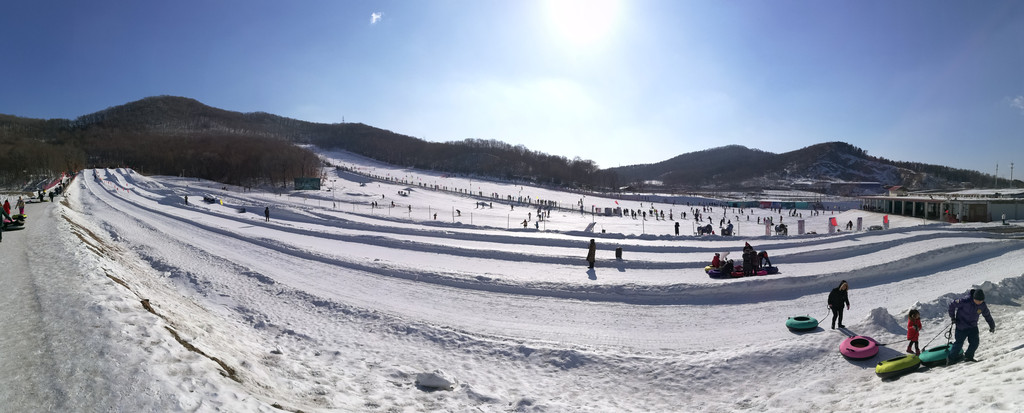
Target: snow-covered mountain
{"x": 729, "y": 167}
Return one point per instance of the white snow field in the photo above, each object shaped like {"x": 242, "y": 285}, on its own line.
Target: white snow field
{"x": 122, "y": 297}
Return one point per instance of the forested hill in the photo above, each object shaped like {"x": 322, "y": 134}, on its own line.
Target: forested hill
{"x": 739, "y": 167}
{"x": 174, "y": 135}
{"x": 169, "y": 135}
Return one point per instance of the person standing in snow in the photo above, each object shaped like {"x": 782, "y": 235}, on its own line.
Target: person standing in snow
{"x": 913, "y": 331}
{"x": 266, "y": 212}
{"x": 749, "y": 255}
{"x": 836, "y": 299}
{"x": 3, "y": 216}
{"x": 965, "y": 312}
{"x": 21, "y": 206}
{"x": 591, "y": 253}
{"x": 747, "y": 248}
{"x": 762, "y": 259}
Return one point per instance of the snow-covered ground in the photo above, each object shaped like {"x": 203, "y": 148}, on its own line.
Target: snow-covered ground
{"x": 122, "y": 297}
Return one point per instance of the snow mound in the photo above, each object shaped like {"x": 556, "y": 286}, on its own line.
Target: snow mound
{"x": 1004, "y": 292}
{"x": 436, "y": 380}
{"x": 880, "y": 317}
{"x": 1001, "y": 294}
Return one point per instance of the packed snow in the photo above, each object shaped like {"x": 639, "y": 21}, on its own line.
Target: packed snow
{"x": 120, "y": 296}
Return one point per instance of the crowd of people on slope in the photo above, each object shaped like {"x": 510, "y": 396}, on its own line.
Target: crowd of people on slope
{"x": 7, "y": 215}
{"x": 9, "y": 218}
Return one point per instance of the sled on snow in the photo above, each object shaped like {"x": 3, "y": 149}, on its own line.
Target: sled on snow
{"x": 12, "y": 225}
{"x": 936, "y": 356}
{"x": 802, "y": 323}
{"x": 737, "y": 272}
{"x": 858, "y": 348}
{"x": 897, "y": 366}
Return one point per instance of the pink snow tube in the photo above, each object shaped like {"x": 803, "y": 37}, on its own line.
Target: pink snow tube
{"x": 858, "y": 348}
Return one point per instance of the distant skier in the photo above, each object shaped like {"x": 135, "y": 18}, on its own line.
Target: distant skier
{"x": 266, "y": 212}
{"x": 591, "y": 253}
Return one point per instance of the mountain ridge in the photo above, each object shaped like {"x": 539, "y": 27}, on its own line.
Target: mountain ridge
{"x": 727, "y": 167}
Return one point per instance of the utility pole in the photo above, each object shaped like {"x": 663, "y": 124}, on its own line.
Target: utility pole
{"x": 996, "y": 184}
{"x": 1011, "y": 175}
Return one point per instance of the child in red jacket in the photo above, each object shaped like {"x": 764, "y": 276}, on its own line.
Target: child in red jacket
{"x": 913, "y": 328}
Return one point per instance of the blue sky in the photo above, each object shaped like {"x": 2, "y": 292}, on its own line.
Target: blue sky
{"x": 619, "y": 83}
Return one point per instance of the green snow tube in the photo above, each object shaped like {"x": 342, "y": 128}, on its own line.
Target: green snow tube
{"x": 897, "y": 366}
{"x": 801, "y": 323}
{"x": 936, "y": 356}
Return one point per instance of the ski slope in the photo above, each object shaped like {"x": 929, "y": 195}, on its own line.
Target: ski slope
{"x": 335, "y": 305}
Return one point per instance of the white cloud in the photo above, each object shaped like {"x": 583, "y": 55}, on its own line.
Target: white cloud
{"x": 375, "y": 17}
{"x": 1018, "y": 102}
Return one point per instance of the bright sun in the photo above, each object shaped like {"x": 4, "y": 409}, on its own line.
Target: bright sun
{"x": 583, "y": 22}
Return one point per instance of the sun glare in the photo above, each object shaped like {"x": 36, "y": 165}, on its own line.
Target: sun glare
{"x": 583, "y": 22}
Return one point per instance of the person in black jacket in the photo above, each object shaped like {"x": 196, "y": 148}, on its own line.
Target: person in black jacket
{"x": 749, "y": 255}
{"x": 836, "y": 299}
{"x": 591, "y": 252}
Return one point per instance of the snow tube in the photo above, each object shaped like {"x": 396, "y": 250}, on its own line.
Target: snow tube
{"x": 897, "y": 366}
{"x": 802, "y": 323}
{"x": 936, "y": 356}
{"x": 858, "y": 348}
{"x": 716, "y": 273}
